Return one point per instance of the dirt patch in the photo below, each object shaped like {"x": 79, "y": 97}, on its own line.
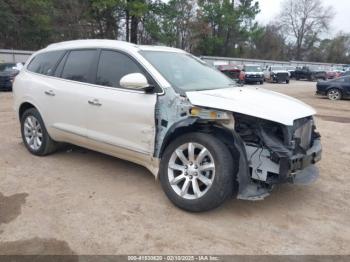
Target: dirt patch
{"x": 337, "y": 119}
{"x": 333, "y": 108}
{"x": 37, "y": 246}
{"x": 10, "y": 206}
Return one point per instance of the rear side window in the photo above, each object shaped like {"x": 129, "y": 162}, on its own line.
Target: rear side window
{"x": 79, "y": 65}
{"x": 45, "y": 63}
{"x": 113, "y": 66}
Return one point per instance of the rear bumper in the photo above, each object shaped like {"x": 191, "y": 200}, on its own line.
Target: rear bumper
{"x": 6, "y": 85}
{"x": 280, "y": 78}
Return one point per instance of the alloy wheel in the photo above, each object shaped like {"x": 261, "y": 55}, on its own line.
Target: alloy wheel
{"x": 334, "y": 94}
{"x": 33, "y": 133}
{"x": 191, "y": 170}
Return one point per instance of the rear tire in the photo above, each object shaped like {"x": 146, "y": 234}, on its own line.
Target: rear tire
{"x": 287, "y": 82}
{"x": 34, "y": 134}
{"x": 334, "y": 94}
{"x": 188, "y": 182}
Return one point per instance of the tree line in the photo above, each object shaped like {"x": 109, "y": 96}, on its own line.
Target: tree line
{"x": 202, "y": 27}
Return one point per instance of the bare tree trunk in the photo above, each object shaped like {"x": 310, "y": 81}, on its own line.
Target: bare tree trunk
{"x": 303, "y": 19}
{"x": 134, "y": 27}
{"x": 127, "y": 24}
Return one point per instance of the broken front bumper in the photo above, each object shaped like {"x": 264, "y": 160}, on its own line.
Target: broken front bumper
{"x": 301, "y": 167}
{"x": 265, "y": 173}
{"x": 298, "y": 169}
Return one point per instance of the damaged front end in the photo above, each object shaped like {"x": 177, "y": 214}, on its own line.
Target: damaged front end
{"x": 276, "y": 154}
{"x": 267, "y": 153}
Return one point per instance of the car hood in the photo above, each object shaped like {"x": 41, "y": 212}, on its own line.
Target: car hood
{"x": 279, "y": 71}
{"x": 252, "y": 101}
{"x": 254, "y": 73}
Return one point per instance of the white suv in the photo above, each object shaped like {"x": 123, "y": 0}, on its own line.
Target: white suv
{"x": 205, "y": 138}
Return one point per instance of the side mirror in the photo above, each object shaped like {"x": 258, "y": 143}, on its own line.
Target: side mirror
{"x": 135, "y": 81}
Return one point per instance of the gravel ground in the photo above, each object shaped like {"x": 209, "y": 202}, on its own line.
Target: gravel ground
{"x": 81, "y": 202}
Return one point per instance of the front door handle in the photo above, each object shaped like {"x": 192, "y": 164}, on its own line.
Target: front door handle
{"x": 94, "y": 102}
{"x": 50, "y": 93}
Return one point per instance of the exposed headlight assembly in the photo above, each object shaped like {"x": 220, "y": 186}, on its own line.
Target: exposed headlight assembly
{"x": 209, "y": 114}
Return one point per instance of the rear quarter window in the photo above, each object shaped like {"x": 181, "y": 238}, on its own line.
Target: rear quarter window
{"x": 45, "y": 63}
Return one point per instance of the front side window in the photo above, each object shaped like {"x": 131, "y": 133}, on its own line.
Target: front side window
{"x": 113, "y": 66}
{"x": 79, "y": 65}
{"x": 277, "y": 68}
{"x": 185, "y": 72}
{"x": 45, "y": 63}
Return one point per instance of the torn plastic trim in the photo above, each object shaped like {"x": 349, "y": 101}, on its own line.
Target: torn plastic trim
{"x": 279, "y": 157}
{"x": 172, "y": 111}
{"x": 306, "y": 176}
{"x": 247, "y": 189}
{"x": 182, "y": 123}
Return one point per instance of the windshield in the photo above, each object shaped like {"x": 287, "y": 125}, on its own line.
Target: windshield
{"x": 316, "y": 68}
{"x": 290, "y": 68}
{"x": 5, "y": 67}
{"x": 337, "y": 69}
{"x": 277, "y": 68}
{"x": 186, "y": 72}
{"x": 253, "y": 69}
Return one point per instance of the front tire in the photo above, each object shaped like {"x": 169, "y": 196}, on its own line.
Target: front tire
{"x": 197, "y": 172}
{"x": 34, "y": 134}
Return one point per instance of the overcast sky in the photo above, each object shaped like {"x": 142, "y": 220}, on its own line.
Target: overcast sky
{"x": 341, "y": 22}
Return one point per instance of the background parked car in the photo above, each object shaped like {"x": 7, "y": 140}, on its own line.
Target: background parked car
{"x": 331, "y": 74}
{"x": 338, "y": 69}
{"x": 8, "y": 72}
{"x": 310, "y": 73}
{"x": 335, "y": 89}
{"x": 252, "y": 74}
{"x": 347, "y": 73}
{"x": 291, "y": 71}
{"x": 277, "y": 74}
{"x": 231, "y": 71}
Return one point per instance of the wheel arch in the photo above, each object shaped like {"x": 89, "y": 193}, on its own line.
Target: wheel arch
{"x": 193, "y": 125}
{"x": 24, "y": 107}
{"x": 335, "y": 87}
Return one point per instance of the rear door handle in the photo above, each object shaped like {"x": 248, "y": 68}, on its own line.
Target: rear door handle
{"x": 50, "y": 93}
{"x": 94, "y": 102}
